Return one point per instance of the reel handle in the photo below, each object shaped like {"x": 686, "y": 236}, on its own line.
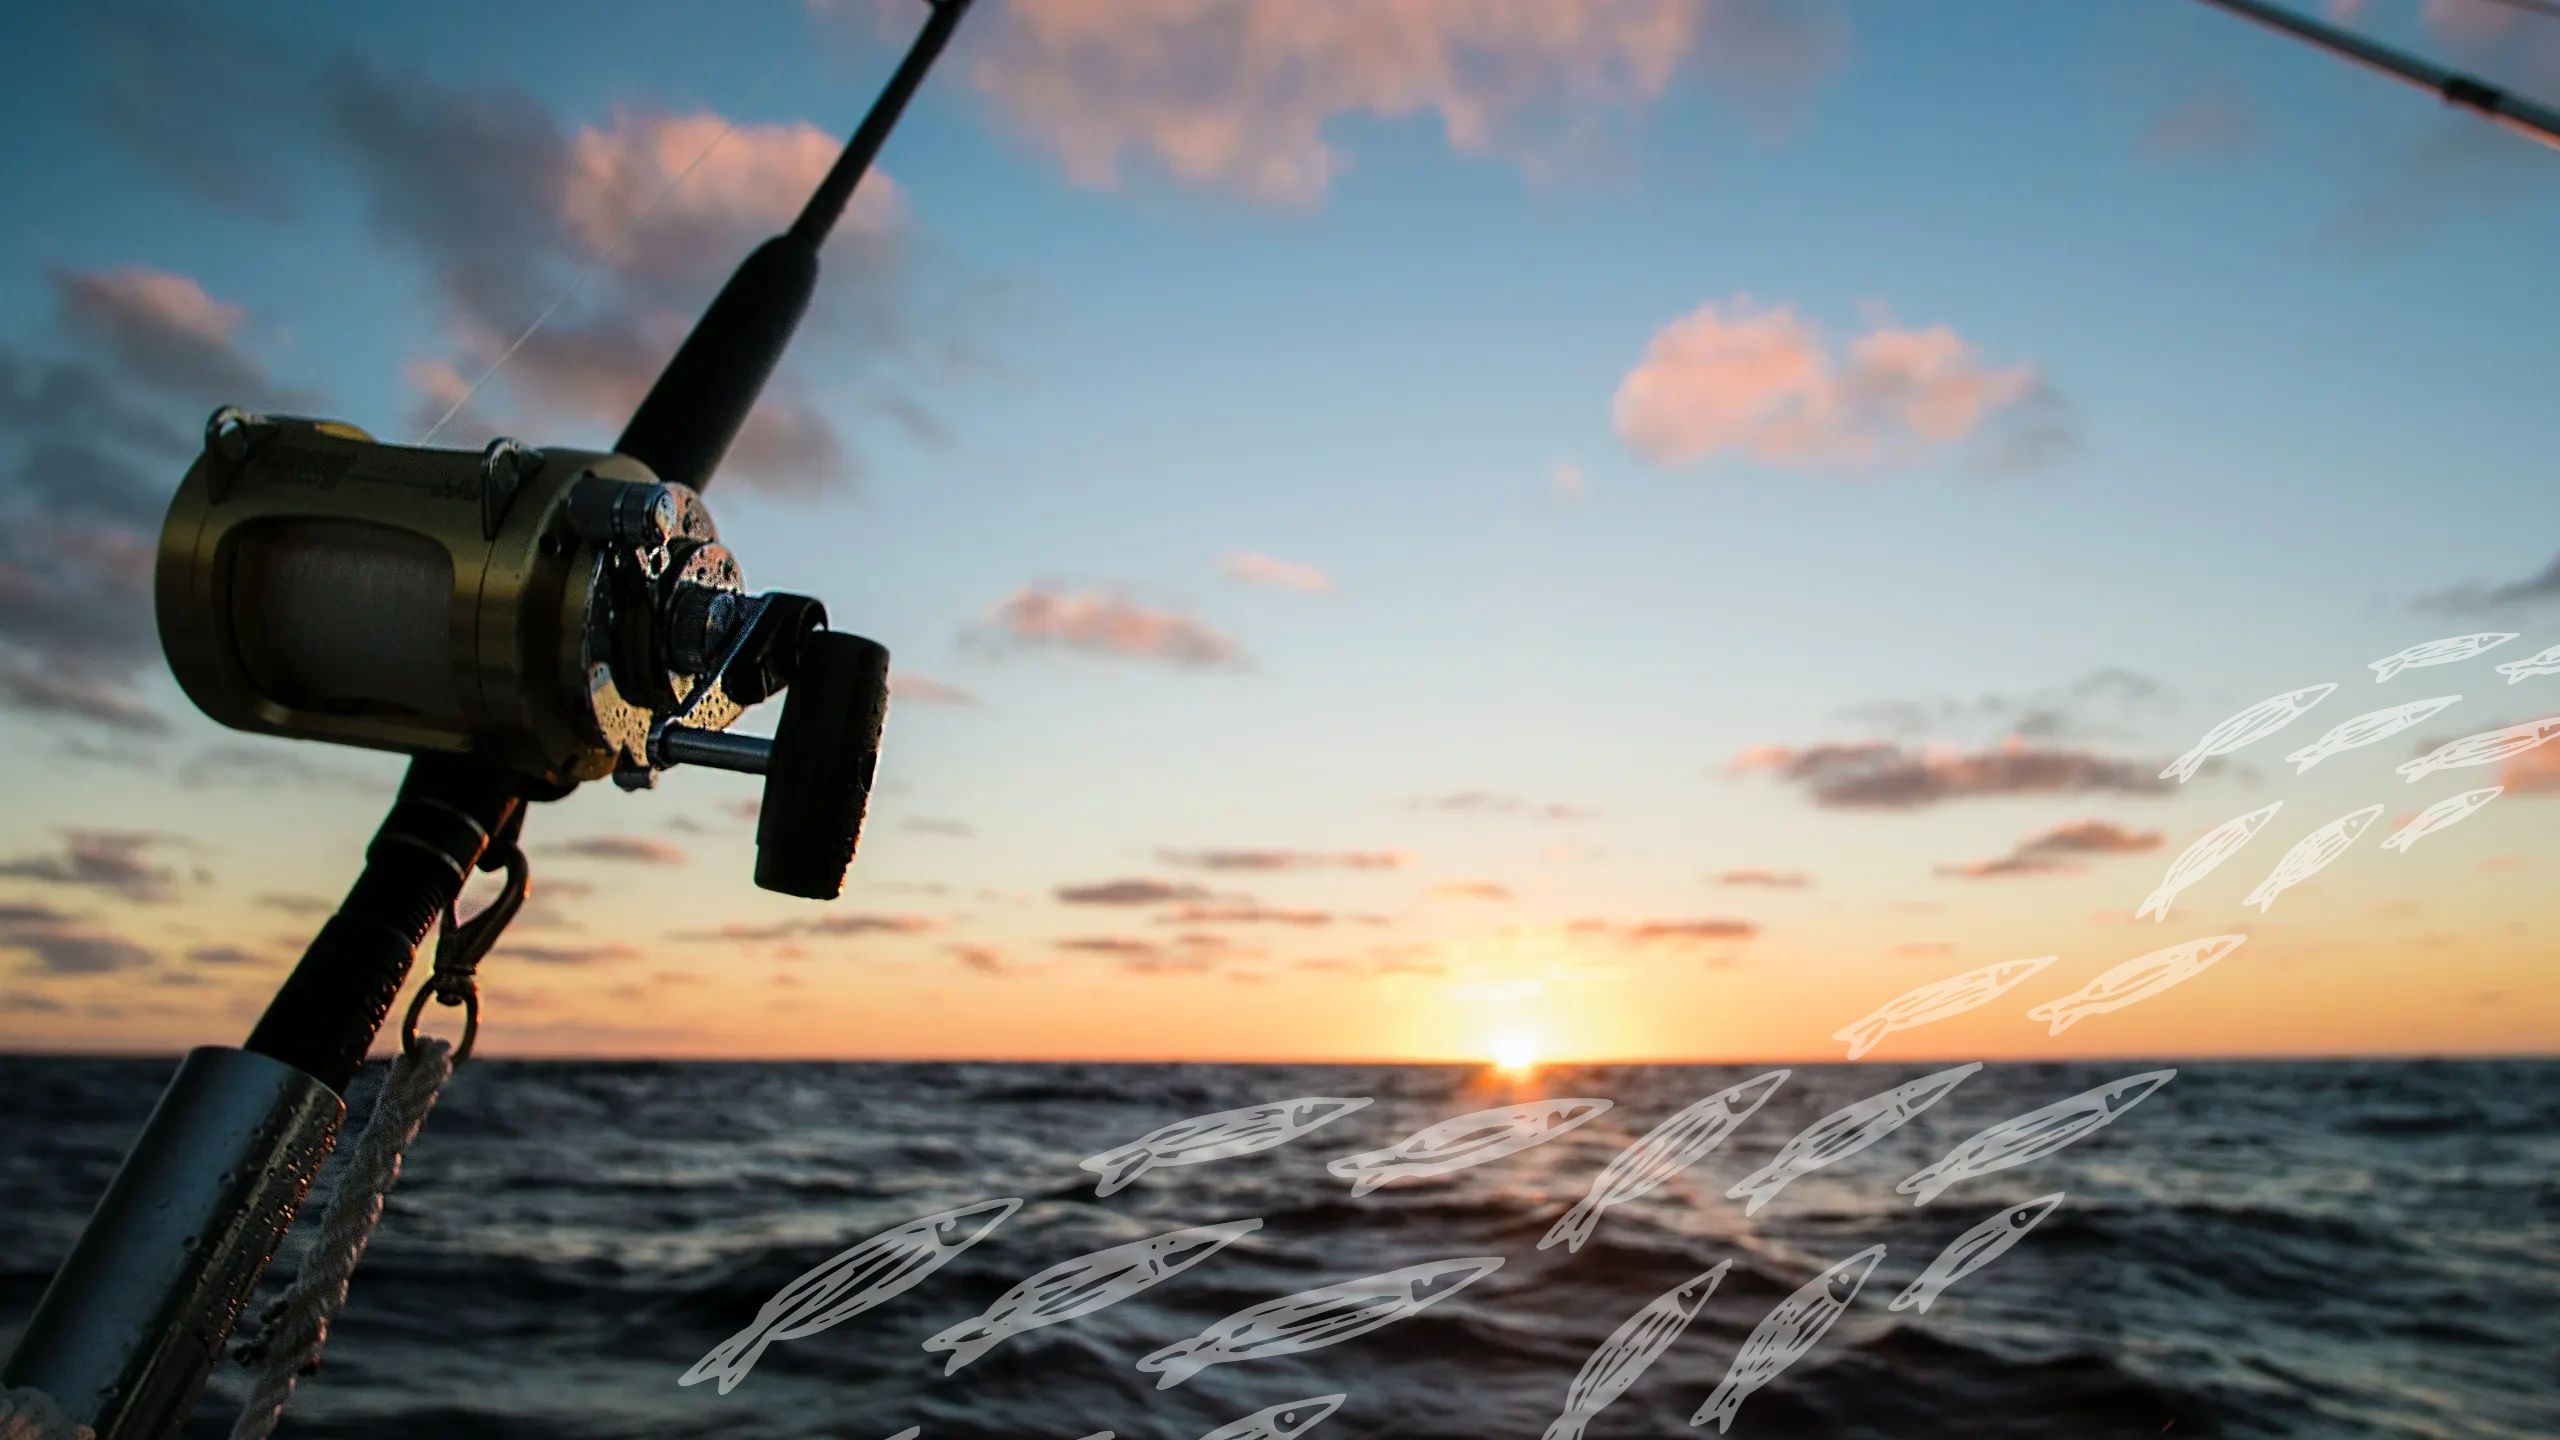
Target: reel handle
{"x": 824, "y": 754}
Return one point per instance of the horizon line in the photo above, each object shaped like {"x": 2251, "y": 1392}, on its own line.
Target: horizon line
{"x": 1477, "y": 1063}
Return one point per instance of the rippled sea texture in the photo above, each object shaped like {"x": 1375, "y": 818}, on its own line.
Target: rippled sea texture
{"x": 2347, "y": 1249}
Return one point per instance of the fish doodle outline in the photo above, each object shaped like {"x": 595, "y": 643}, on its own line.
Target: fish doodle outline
{"x": 2024, "y": 1139}
{"x": 2447, "y": 651}
{"x": 865, "y": 1274}
{"x": 2204, "y": 857}
{"x": 1221, "y": 1135}
{"x": 1973, "y": 1249}
{"x": 1082, "y": 1284}
{"x": 2312, "y": 854}
{"x": 2133, "y": 981}
{"x": 1631, "y": 1349}
{"x": 1937, "y": 1000}
{"x": 1678, "y": 1142}
{"x": 2370, "y": 728}
{"x": 1791, "y": 1328}
{"x": 1313, "y": 1319}
{"x": 1465, "y": 1141}
{"x": 1844, "y": 1132}
{"x": 2246, "y": 727}
{"x": 2446, "y": 813}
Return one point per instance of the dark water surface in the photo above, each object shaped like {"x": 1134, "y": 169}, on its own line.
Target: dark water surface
{"x": 2345, "y": 1249}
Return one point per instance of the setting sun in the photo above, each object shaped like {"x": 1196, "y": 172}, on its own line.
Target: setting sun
{"x": 1515, "y": 1052}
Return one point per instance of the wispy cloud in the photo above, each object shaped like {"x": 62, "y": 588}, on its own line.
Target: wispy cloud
{"x": 2537, "y": 589}
{"x": 1765, "y": 879}
{"x": 812, "y": 927}
{"x": 117, "y": 861}
{"x": 58, "y": 944}
{"x": 1882, "y": 775}
{"x": 2058, "y": 849}
{"x": 1247, "y": 915}
{"x": 1488, "y": 802}
{"x": 1286, "y": 859}
{"x": 627, "y": 849}
{"x": 1131, "y": 892}
{"x": 1249, "y": 568}
{"x": 2103, "y": 703}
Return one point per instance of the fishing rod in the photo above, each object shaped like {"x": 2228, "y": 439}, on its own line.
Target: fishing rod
{"x": 518, "y": 621}
{"x": 2528, "y": 118}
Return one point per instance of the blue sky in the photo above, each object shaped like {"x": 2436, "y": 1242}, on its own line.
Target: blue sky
{"x": 2281, "y": 331}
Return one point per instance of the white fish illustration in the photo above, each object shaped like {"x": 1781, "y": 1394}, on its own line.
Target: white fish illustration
{"x": 2247, "y": 727}
{"x": 910, "y": 1433}
{"x": 1782, "y": 1337}
{"x": 2034, "y": 1135}
{"x": 1974, "y": 1249}
{"x": 1935, "y": 1001}
{"x": 1843, "y": 1133}
{"x": 1280, "y": 1422}
{"x": 1475, "y": 1139}
{"x": 1313, "y": 1319}
{"x": 1665, "y": 1151}
{"x": 2310, "y": 855}
{"x": 849, "y": 1282}
{"x": 1637, "y": 1342}
{"x": 2136, "y": 980}
{"x": 2198, "y": 860}
{"x": 1222, "y": 1136}
{"x": 2451, "y": 810}
{"x": 2486, "y": 748}
{"x": 2438, "y": 652}
{"x": 1085, "y": 1284}
{"x": 2365, "y": 729}
{"x": 2540, "y": 662}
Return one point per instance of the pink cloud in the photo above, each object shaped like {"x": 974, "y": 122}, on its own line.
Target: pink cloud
{"x": 621, "y": 200}
{"x": 163, "y": 327}
{"x": 1253, "y": 569}
{"x": 2208, "y": 124}
{"x": 2532, "y": 772}
{"x": 1239, "y": 94}
{"x": 1098, "y": 622}
{"x": 1738, "y": 376}
{"x": 925, "y": 690}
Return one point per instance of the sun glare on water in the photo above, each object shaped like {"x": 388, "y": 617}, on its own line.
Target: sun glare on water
{"x": 1515, "y": 1052}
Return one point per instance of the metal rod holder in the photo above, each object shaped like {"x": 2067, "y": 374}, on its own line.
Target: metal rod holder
{"x": 134, "y": 1321}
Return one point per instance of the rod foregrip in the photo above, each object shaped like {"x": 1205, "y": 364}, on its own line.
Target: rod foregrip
{"x": 324, "y": 1018}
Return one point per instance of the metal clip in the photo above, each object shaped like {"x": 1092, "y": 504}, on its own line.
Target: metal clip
{"x": 460, "y": 945}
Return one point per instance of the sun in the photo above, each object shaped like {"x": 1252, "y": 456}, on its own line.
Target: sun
{"x": 1514, "y": 1052}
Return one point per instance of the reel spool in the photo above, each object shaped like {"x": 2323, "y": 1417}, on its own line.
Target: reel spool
{"x": 562, "y": 614}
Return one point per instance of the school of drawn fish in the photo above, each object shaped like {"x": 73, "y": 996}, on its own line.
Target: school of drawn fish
{"x": 904, "y": 1256}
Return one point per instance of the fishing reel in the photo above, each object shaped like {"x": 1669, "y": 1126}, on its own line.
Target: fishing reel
{"x": 562, "y": 614}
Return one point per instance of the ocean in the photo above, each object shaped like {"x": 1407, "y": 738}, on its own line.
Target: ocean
{"x": 2334, "y": 1249}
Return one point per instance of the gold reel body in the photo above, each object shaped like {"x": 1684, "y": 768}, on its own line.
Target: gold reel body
{"x": 316, "y": 584}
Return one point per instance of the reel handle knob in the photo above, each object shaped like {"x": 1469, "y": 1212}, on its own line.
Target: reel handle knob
{"x": 818, "y": 781}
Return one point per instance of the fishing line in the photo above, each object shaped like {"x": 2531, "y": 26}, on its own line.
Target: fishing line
{"x": 578, "y": 283}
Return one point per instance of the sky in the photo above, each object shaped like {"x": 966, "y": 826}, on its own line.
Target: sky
{"x": 1627, "y": 529}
